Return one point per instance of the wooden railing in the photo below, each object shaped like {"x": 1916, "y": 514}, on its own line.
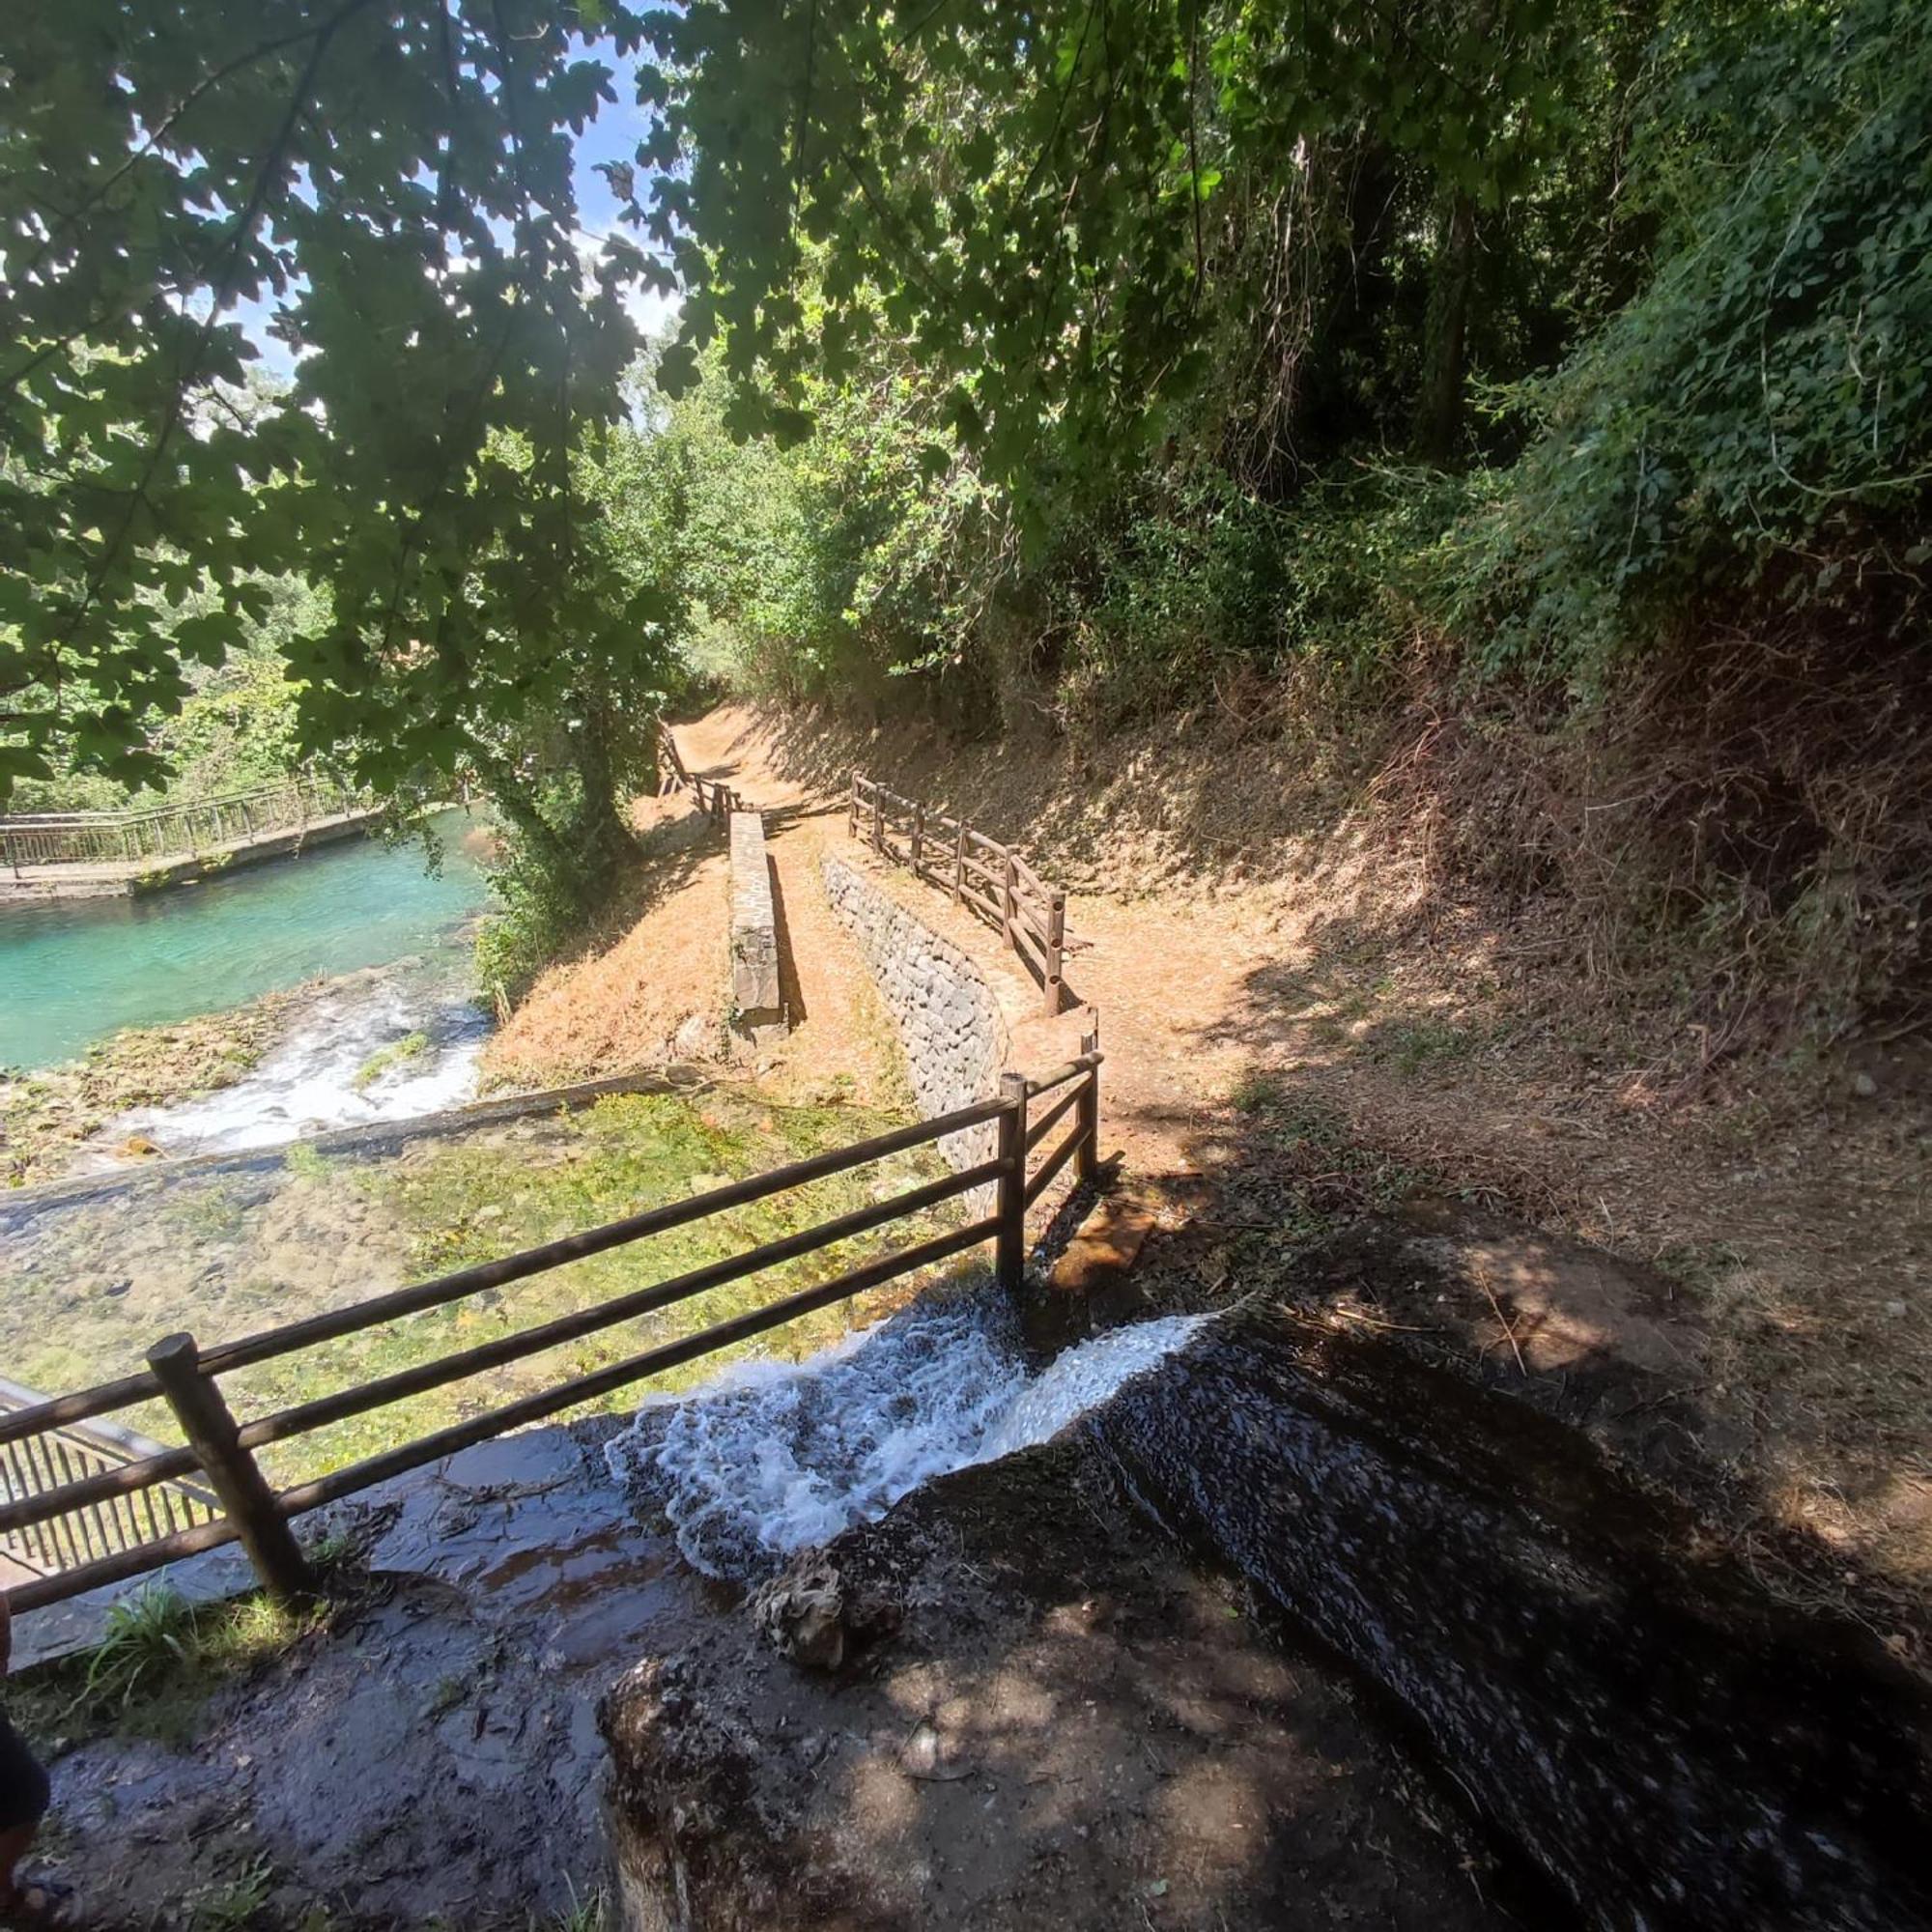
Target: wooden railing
{"x": 994, "y": 880}
{"x": 42, "y": 1464}
{"x": 715, "y": 799}
{"x": 168, "y": 831}
{"x": 221, "y": 1448}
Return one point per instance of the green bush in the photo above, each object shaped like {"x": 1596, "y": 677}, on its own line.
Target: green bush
{"x": 1762, "y": 413}
{"x": 1202, "y": 580}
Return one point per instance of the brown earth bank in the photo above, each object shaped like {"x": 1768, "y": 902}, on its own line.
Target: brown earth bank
{"x": 1309, "y": 1014}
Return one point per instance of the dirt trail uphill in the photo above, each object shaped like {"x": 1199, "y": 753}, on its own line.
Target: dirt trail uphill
{"x": 1285, "y": 1061}
{"x": 1164, "y": 978}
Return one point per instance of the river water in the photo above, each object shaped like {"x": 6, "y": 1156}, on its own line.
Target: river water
{"x": 74, "y": 971}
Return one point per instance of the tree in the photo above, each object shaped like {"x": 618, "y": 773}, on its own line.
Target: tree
{"x": 1056, "y": 209}
{"x": 382, "y": 187}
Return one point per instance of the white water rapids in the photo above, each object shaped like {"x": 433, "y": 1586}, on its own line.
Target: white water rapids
{"x": 325, "y": 1073}
{"x": 773, "y": 1457}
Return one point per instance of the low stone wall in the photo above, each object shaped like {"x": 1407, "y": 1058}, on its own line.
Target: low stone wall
{"x": 948, "y": 1016}
{"x": 756, "y": 1002}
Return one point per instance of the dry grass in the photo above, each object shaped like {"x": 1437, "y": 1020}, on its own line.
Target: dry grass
{"x": 652, "y": 994}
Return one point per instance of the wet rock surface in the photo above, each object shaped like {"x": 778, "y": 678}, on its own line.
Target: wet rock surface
{"x": 1014, "y": 1704}
{"x": 1626, "y": 1709}
{"x": 430, "y": 1759}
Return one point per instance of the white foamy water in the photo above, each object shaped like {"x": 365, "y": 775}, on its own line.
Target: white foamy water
{"x": 773, "y": 1457}
{"x": 309, "y": 1084}
{"x": 1082, "y": 1379}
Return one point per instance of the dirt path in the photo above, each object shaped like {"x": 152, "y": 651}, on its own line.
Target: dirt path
{"x": 840, "y": 1043}
{"x": 1320, "y": 1038}
{"x": 1164, "y": 978}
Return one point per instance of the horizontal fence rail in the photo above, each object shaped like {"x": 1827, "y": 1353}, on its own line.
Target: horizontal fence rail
{"x": 715, "y": 799}
{"x": 994, "y": 880}
{"x": 94, "y": 1512}
{"x": 169, "y": 831}
{"x": 86, "y": 1516}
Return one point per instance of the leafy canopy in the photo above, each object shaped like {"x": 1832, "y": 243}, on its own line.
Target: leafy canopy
{"x": 1028, "y": 200}
{"x": 383, "y": 186}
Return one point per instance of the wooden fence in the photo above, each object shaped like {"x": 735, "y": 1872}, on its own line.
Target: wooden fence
{"x": 715, "y": 799}
{"x": 222, "y": 1449}
{"x": 995, "y": 880}
{"x": 168, "y": 831}
{"x": 41, "y": 1464}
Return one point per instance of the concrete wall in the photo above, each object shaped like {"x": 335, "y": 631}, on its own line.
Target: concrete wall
{"x": 758, "y": 1004}
{"x": 947, "y": 1017}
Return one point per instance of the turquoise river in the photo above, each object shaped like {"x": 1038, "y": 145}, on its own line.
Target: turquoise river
{"x": 74, "y": 971}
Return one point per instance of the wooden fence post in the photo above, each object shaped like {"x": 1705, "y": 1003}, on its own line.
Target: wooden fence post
{"x": 1007, "y": 901}
{"x": 852, "y": 811}
{"x": 878, "y": 820}
{"x": 247, "y": 1500}
{"x": 918, "y": 837}
{"x": 960, "y": 864}
{"x": 1086, "y": 1155}
{"x": 1056, "y": 947}
{"x": 1009, "y": 1242}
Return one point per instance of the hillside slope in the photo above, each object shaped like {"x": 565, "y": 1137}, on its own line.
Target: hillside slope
{"x": 1308, "y": 1019}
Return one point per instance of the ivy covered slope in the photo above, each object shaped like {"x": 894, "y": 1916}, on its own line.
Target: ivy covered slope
{"x": 1561, "y": 373}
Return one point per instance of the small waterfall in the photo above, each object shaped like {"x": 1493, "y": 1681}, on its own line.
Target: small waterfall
{"x": 328, "y": 1072}
{"x": 773, "y": 1457}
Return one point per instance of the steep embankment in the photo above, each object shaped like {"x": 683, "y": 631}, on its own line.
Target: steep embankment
{"x": 1308, "y": 1017}
{"x": 651, "y": 985}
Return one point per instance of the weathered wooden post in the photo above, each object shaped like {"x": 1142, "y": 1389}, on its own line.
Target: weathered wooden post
{"x": 852, "y": 811}
{"x": 247, "y": 1500}
{"x": 1056, "y": 947}
{"x": 1006, "y": 887}
{"x": 1010, "y": 1204}
{"x": 1086, "y": 1155}
{"x": 917, "y": 837}
{"x": 960, "y": 864}
{"x": 878, "y": 819}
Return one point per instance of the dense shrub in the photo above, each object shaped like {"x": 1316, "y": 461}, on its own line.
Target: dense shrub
{"x": 1759, "y": 420}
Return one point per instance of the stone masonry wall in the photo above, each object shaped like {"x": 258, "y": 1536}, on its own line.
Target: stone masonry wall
{"x": 757, "y": 999}
{"x": 947, "y": 1017}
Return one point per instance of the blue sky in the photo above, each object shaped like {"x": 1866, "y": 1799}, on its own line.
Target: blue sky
{"x": 613, "y": 136}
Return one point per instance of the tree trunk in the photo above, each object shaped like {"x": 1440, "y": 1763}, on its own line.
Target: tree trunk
{"x": 1440, "y": 431}
{"x": 556, "y": 852}
{"x": 600, "y": 834}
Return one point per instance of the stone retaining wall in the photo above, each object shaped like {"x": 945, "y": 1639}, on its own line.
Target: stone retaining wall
{"x": 758, "y": 1004}
{"x": 948, "y": 1016}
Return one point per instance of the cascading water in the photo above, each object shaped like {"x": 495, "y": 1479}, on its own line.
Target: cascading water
{"x": 329, "y": 1074}
{"x": 1656, "y": 1742}
{"x": 771, "y": 1457}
